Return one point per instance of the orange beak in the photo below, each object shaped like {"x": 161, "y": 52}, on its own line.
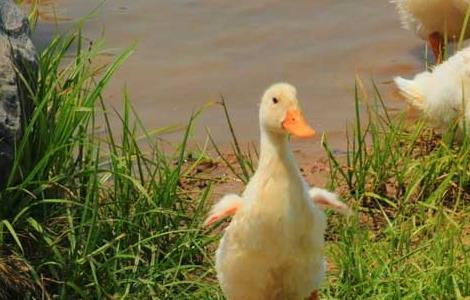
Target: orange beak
{"x": 296, "y": 125}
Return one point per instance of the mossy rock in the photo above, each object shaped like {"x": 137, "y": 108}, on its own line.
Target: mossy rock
{"x": 18, "y": 59}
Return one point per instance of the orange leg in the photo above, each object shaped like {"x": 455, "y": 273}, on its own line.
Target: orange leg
{"x": 315, "y": 295}
{"x": 436, "y": 41}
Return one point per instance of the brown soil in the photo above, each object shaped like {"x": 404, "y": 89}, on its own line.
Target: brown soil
{"x": 214, "y": 171}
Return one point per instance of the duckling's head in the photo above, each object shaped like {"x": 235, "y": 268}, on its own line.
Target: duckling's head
{"x": 280, "y": 112}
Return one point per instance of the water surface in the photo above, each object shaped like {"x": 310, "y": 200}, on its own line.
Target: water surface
{"x": 190, "y": 52}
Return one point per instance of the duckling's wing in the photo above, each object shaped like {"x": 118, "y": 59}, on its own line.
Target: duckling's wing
{"x": 326, "y": 199}
{"x": 227, "y": 206}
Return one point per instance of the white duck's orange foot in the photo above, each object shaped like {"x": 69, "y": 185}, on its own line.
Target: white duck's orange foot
{"x": 436, "y": 41}
{"x": 315, "y": 295}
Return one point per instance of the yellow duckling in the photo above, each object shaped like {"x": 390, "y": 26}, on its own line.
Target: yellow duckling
{"x": 273, "y": 247}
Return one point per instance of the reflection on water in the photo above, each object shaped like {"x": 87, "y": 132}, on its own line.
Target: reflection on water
{"x": 191, "y": 51}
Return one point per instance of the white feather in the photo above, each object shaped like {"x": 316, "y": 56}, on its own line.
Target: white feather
{"x": 411, "y": 91}
{"x": 326, "y": 199}
{"x": 227, "y": 201}
{"x": 442, "y": 93}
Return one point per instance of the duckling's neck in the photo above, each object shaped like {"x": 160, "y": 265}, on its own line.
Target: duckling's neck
{"x": 275, "y": 149}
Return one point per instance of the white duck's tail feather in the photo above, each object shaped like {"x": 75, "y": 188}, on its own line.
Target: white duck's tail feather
{"x": 411, "y": 91}
{"x": 408, "y": 21}
{"x": 227, "y": 206}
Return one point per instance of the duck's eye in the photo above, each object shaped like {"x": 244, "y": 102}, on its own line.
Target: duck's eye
{"x": 275, "y": 100}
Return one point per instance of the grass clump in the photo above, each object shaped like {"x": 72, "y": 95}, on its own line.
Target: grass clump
{"x": 88, "y": 213}
{"x": 411, "y": 236}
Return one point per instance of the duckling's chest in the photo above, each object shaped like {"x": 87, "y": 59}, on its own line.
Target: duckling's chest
{"x": 282, "y": 198}
{"x": 280, "y": 213}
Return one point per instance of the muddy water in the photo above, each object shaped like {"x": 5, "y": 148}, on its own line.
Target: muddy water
{"x": 191, "y": 51}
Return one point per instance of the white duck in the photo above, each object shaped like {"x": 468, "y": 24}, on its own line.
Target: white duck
{"x": 433, "y": 20}
{"x": 273, "y": 247}
{"x": 443, "y": 93}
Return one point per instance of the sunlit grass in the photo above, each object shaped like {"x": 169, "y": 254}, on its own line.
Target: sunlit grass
{"x": 411, "y": 190}
{"x": 92, "y": 213}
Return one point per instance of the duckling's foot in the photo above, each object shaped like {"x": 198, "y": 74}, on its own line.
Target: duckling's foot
{"x": 315, "y": 295}
{"x": 436, "y": 41}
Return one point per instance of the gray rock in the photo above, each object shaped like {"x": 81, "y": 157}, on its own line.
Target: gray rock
{"x": 17, "y": 56}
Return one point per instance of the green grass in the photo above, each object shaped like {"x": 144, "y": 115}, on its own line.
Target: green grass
{"x": 98, "y": 215}
{"x": 410, "y": 187}
{"x": 96, "y": 212}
